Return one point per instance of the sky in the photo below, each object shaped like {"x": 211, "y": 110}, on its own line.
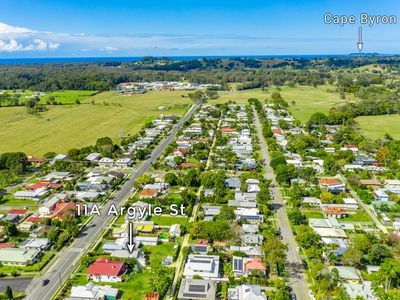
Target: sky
{"x": 85, "y": 28}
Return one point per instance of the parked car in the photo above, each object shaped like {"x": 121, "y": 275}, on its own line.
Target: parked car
{"x": 45, "y": 282}
{"x": 304, "y": 263}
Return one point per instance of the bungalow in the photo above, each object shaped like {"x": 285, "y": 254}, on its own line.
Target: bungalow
{"x": 252, "y": 215}
{"x": 47, "y": 207}
{"x": 35, "y": 195}
{"x": 189, "y": 165}
{"x": 206, "y": 266}
{"x": 196, "y": 289}
{"x": 247, "y": 266}
{"x": 334, "y": 212}
{"x": 333, "y": 185}
{"x": 146, "y": 194}
{"x": 347, "y": 274}
{"x": 124, "y": 162}
{"x": 64, "y": 210}
{"x": 106, "y": 162}
{"x": 19, "y": 257}
{"x": 95, "y": 292}
{"x": 210, "y": 210}
{"x": 252, "y": 239}
{"x": 250, "y": 228}
{"x": 312, "y": 201}
{"x": 380, "y": 195}
{"x": 233, "y": 183}
{"x": 250, "y": 251}
{"x": 35, "y": 243}
{"x": 200, "y": 247}
{"x": 146, "y": 240}
{"x": 105, "y": 270}
{"x": 92, "y": 157}
{"x": 246, "y": 292}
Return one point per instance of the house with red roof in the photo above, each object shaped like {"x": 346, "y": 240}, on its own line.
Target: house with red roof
{"x": 106, "y": 270}
{"x": 254, "y": 265}
{"x": 333, "y": 185}
{"x": 19, "y": 212}
{"x": 6, "y": 246}
{"x": 227, "y": 130}
{"x": 148, "y": 193}
{"x": 188, "y": 165}
{"x": 247, "y": 266}
{"x": 63, "y": 210}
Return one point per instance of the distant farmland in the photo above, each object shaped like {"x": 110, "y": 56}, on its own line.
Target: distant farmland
{"x": 63, "y": 127}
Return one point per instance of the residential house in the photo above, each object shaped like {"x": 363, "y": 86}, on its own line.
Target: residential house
{"x": 197, "y": 289}
{"x": 206, "y": 266}
{"x": 246, "y": 292}
{"x": 19, "y": 257}
{"x": 105, "y": 270}
{"x": 36, "y": 243}
{"x": 106, "y": 162}
{"x": 244, "y": 266}
{"x": 91, "y": 291}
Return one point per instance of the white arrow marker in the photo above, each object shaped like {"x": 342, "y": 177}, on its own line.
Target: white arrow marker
{"x": 360, "y": 42}
{"x": 130, "y": 245}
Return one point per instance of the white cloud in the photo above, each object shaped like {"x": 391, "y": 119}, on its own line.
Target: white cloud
{"x": 38, "y": 45}
{"x": 8, "y": 29}
{"x": 109, "y": 49}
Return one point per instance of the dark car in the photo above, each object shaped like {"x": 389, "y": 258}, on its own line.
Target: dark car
{"x": 293, "y": 297}
{"x": 45, "y": 282}
{"x": 289, "y": 288}
{"x": 304, "y": 263}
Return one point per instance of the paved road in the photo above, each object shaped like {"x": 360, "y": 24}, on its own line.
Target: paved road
{"x": 366, "y": 207}
{"x": 294, "y": 267}
{"x": 69, "y": 257}
{"x": 16, "y": 284}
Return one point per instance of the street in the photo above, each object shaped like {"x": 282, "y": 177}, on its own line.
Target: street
{"x": 66, "y": 260}
{"x": 294, "y": 267}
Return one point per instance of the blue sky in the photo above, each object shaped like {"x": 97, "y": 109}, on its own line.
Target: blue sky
{"x": 58, "y": 28}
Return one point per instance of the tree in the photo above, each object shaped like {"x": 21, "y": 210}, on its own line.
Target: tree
{"x": 352, "y": 256}
{"x": 10, "y": 229}
{"x": 105, "y": 145}
{"x": 378, "y": 253}
{"x": 387, "y": 278}
{"x": 317, "y": 119}
{"x": 9, "y": 293}
{"x": 196, "y": 95}
{"x": 306, "y": 237}
{"x": 274, "y": 252}
{"x": 161, "y": 280}
{"x": 171, "y": 179}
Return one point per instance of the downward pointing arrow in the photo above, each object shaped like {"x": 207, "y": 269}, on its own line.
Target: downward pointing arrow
{"x": 130, "y": 245}
{"x": 360, "y": 43}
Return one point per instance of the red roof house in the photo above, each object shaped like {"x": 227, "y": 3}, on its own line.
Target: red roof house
{"x": 17, "y": 211}
{"x": 62, "y": 210}
{"x": 145, "y": 194}
{"x": 6, "y": 245}
{"x": 106, "y": 270}
{"x": 254, "y": 265}
{"x": 187, "y": 165}
{"x": 34, "y": 220}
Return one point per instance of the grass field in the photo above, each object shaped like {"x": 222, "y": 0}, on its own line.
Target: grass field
{"x": 63, "y": 127}
{"x": 307, "y": 99}
{"x": 168, "y": 220}
{"x": 375, "y": 127}
{"x": 67, "y": 97}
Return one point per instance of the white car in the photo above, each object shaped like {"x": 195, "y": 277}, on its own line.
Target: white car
{"x": 298, "y": 250}
{"x": 311, "y": 294}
